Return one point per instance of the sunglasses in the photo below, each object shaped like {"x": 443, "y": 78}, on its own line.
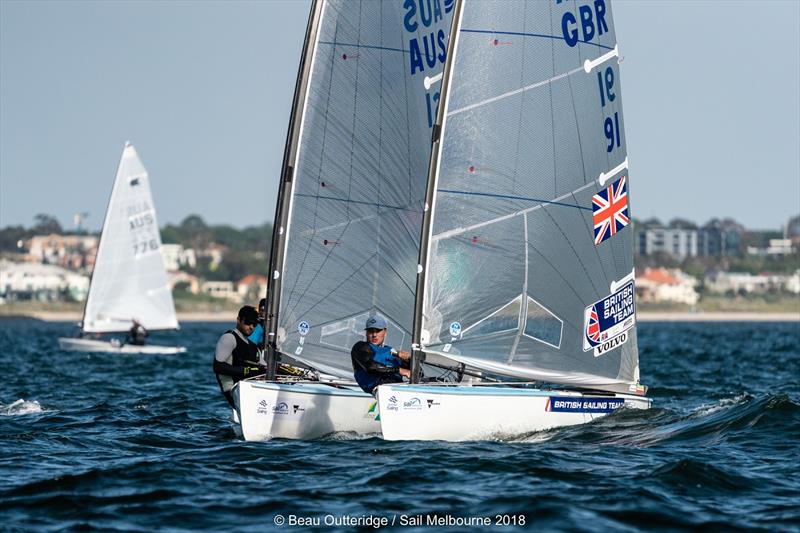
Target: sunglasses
{"x": 249, "y": 323}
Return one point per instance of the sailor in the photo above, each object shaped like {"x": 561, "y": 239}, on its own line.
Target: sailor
{"x": 136, "y": 334}
{"x": 375, "y": 363}
{"x": 258, "y": 333}
{"x": 236, "y": 356}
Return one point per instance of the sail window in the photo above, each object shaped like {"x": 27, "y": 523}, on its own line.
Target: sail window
{"x": 504, "y": 319}
{"x": 344, "y": 333}
{"x": 542, "y": 325}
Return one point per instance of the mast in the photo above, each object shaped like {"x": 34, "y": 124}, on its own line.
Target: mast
{"x": 417, "y": 354}
{"x": 284, "y": 190}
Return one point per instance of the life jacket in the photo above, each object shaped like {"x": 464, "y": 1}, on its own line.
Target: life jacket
{"x": 245, "y": 353}
{"x": 381, "y": 355}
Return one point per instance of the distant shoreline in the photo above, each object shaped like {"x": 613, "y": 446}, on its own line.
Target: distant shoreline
{"x": 644, "y": 316}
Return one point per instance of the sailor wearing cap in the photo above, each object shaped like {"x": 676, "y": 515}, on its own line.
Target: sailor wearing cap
{"x": 236, "y": 357}
{"x": 373, "y": 362}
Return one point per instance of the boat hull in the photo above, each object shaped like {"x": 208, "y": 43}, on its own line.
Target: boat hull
{"x": 463, "y": 413}
{"x": 303, "y": 410}
{"x": 99, "y": 346}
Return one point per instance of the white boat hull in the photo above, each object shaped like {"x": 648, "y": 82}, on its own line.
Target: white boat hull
{"x": 100, "y": 346}
{"x": 463, "y": 413}
{"x": 303, "y": 410}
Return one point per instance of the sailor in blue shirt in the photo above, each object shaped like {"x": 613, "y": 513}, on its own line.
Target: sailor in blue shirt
{"x": 373, "y": 362}
{"x": 257, "y": 337}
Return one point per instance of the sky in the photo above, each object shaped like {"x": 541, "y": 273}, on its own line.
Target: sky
{"x": 203, "y": 89}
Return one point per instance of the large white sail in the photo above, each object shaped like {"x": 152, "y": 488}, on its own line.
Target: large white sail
{"x": 129, "y": 281}
{"x": 353, "y": 218}
{"x": 529, "y": 268}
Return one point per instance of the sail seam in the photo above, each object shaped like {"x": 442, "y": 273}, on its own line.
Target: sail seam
{"x": 541, "y": 35}
{"x": 360, "y": 202}
{"x": 367, "y": 46}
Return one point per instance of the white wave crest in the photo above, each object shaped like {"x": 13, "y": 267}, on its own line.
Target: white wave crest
{"x": 20, "y": 407}
{"x": 724, "y": 403}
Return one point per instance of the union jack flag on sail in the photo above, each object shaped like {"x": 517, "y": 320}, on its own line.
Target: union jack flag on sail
{"x": 610, "y": 210}
{"x": 593, "y": 327}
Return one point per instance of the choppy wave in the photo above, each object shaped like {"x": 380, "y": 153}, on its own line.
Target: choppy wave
{"x": 145, "y": 443}
{"x": 20, "y": 407}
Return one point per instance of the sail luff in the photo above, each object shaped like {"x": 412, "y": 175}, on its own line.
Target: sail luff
{"x": 417, "y": 339}
{"x": 100, "y": 243}
{"x": 284, "y": 202}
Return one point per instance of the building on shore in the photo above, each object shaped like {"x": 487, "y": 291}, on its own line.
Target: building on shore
{"x": 48, "y": 283}
{"x": 75, "y": 252}
{"x": 658, "y": 285}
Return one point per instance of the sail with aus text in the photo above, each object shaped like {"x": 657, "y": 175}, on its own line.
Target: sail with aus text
{"x": 355, "y": 206}
{"x": 129, "y": 281}
{"x": 530, "y": 264}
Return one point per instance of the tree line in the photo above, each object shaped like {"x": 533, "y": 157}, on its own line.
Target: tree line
{"x": 247, "y": 249}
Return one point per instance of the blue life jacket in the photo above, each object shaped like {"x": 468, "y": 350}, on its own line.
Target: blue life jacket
{"x": 383, "y": 356}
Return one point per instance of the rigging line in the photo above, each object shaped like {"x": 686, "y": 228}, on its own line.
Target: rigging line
{"x": 371, "y": 47}
{"x": 360, "y": 202}
{"x": 515, "y": 91}
{"x": 356, "y": 271}
{"x": 541, "y": 35}
{"x": 458, "y": 231}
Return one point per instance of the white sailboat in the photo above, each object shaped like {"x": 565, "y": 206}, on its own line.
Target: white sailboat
{"x": 526, "y": 260}
{"x": 129, "y": 280}
{"x": 350, "y": 208}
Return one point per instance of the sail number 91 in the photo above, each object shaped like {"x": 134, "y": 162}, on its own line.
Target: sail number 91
{"x": 605, "y": 82}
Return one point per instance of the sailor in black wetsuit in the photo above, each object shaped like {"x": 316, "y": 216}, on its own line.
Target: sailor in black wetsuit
{"x": 137, "y": 334}
{"x": 375, "y": 364}
{"x": 236, "y": 356}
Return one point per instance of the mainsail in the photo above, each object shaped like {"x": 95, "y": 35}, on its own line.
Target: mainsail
{"x": 529, "y": 270}
{"x": 129, "y": 280}
{"x": 350, "y": 242}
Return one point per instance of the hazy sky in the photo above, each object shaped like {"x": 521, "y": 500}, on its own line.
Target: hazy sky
{"x": 203, "y": 89}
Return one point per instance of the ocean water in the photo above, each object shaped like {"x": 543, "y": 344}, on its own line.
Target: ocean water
{"x": 143, "y": 443}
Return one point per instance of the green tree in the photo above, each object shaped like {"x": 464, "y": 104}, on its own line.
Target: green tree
{"x": 44, "y": 224}
{"x": 10, "y": 236}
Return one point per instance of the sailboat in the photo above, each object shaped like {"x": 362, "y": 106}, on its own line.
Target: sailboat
{"x": 129, "y": 280}
{"x": 350, "y": 208}
{"x": 526, "y": 274}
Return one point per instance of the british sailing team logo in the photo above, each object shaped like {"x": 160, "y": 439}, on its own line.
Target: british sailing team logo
{"x": 607, "y": 321}
{"x": 593, "y": 327}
